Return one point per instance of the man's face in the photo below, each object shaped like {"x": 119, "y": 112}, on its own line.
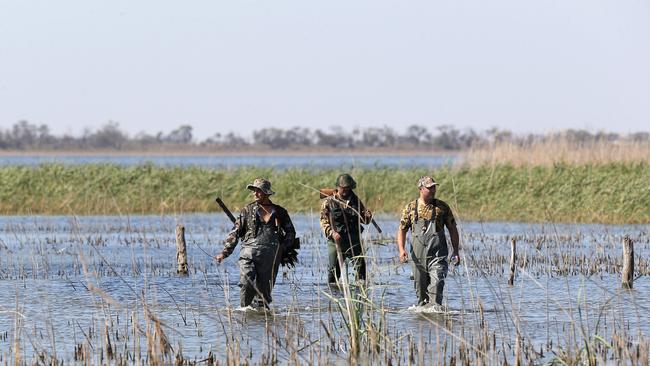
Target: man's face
{"x": 428, "y": 193}
{"x": 259, "y": 195}
{"x": 344, "y": 192}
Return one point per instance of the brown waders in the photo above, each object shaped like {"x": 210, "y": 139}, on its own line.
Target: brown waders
{"x": 258, "y": 263}
{"x": 429, "y": 256}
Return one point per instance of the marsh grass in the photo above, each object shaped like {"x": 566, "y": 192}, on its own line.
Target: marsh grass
{"x": 589, "y": 193}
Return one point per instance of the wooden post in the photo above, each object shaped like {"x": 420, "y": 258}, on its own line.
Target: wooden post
{"x": 513, "y": 261}
{"x": 181, "y": 250}
{"x": 628, "y": 262}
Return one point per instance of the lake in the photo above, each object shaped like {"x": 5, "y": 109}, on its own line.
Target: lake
{"x": 91, "y": 288}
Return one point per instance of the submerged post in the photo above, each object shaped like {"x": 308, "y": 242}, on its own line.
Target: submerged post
{"x": 181, "y": 250}
{"x": 513, "y": 261}
{"x": 628, "y": 262}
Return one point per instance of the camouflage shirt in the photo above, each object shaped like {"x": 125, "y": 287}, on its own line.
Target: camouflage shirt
{"x": 444, "y": 216}
{"x": 248, "y": 222}
{"x": 329, "y": 220}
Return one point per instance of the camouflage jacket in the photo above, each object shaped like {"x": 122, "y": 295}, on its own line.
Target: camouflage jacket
{"x": 248, "y": 222}
{"x": 339, "y": 215}
{"x": 443, "y": 214}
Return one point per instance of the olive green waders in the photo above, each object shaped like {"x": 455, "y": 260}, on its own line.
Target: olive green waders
{"x": 353, "y": 252}
{"x": 429, "y": 256}
{"x": 259, "y": 259}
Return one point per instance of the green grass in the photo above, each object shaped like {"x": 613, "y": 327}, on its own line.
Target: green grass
{"x": 606, "y": 193}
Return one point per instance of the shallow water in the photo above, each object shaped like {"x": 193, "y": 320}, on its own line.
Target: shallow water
{"x": 62, "y": 279}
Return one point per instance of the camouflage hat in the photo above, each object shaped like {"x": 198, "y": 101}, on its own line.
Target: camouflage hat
{"x": 262, "y": 184}
{"x": 345, "y": 180}
{"x": 427, "y": 182}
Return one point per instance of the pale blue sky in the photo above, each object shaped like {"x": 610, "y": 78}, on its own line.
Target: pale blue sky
{"x": 523, "y": 65}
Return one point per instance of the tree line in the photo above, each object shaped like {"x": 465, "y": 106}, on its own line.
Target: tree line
{"x": 25, "y": 136}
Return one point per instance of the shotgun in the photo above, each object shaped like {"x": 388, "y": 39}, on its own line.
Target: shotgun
{"x": 326, "y": 192}
{"x": 225, "y": 210}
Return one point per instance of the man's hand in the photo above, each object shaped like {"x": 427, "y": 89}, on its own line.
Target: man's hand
{"x": 455, "y": 258}
{"x": 219, "y": 258}
{"x": 336, "y": 236}
{"x": 367, "y": 215}
{"x": 403, "y": 256}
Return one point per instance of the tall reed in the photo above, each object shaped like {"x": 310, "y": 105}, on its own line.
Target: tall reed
{"x": 603, "y": 193}
{"x": 562, "y": 151}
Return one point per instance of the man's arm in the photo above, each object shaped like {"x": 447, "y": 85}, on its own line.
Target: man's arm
{"x": 455, "y": 242}
{"x": 401, "y": 240}
{"x": 233, "y": 237}
{"x": 402, "y": 229}
{"x": 325, "y": 222}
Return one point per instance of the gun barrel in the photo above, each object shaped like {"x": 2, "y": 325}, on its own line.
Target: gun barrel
{"x": 225, "y": 209}
{"x": 376, "y": 225}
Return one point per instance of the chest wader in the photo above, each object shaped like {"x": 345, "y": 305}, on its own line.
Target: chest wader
{"x": 429, "y": 256}
{"x": 258, "y": 263}
{"x": 346, "y": 223}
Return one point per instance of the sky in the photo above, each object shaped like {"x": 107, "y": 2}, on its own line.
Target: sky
{"x": 222, "y": 66}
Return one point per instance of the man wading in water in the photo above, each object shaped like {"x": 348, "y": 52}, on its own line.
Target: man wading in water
{"x": 427, "y": 217}
{"x": 341, "y": 216}
{"x": 266, "y": 229}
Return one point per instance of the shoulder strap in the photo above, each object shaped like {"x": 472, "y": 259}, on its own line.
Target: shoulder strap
{"x": 415, "y": 214}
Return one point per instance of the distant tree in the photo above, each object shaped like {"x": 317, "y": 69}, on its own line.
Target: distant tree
{"x": 448, "y": 138}
{"x": 275, "y": 138}
{"x": 603, "y": 136}
{"x": 379, "y": 137}
{"x": 108, "y": 136}
{"x": 300, "y": 136}
{"x": 23, "y": 134}
{"x": 576, "y": 136}
{"x": 144, "y": 138}
{"x": 44, "y": 138}
{"x": 470, "y": 138}
{"x": 336, "y": 139}
{"x": 232, "y": 139}
{"x": 640, "y": 137}
{"x": 181, "y": 135}
{"x": 417, "y": 135}
{"x": 497, "y": 136}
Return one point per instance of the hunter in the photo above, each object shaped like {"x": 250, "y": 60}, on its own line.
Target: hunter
{"x": 266, "y": 230}
{"x": 427, "y": 218}
{"x": 341, "y": 217}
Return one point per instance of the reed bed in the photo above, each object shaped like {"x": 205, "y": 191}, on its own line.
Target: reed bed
{"x": 130, "y": 307}
{"x": 558, "y": 151}
{"x": 590, "y": 193}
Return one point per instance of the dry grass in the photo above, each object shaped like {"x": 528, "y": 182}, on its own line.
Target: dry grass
{"x": 554, "y": 152}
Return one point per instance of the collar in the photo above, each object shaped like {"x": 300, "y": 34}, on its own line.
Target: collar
{"x": 420, "y": 202}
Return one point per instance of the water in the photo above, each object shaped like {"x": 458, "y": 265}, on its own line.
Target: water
{"x": 230, "y": 162}
{"x": 64, "y": 280}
